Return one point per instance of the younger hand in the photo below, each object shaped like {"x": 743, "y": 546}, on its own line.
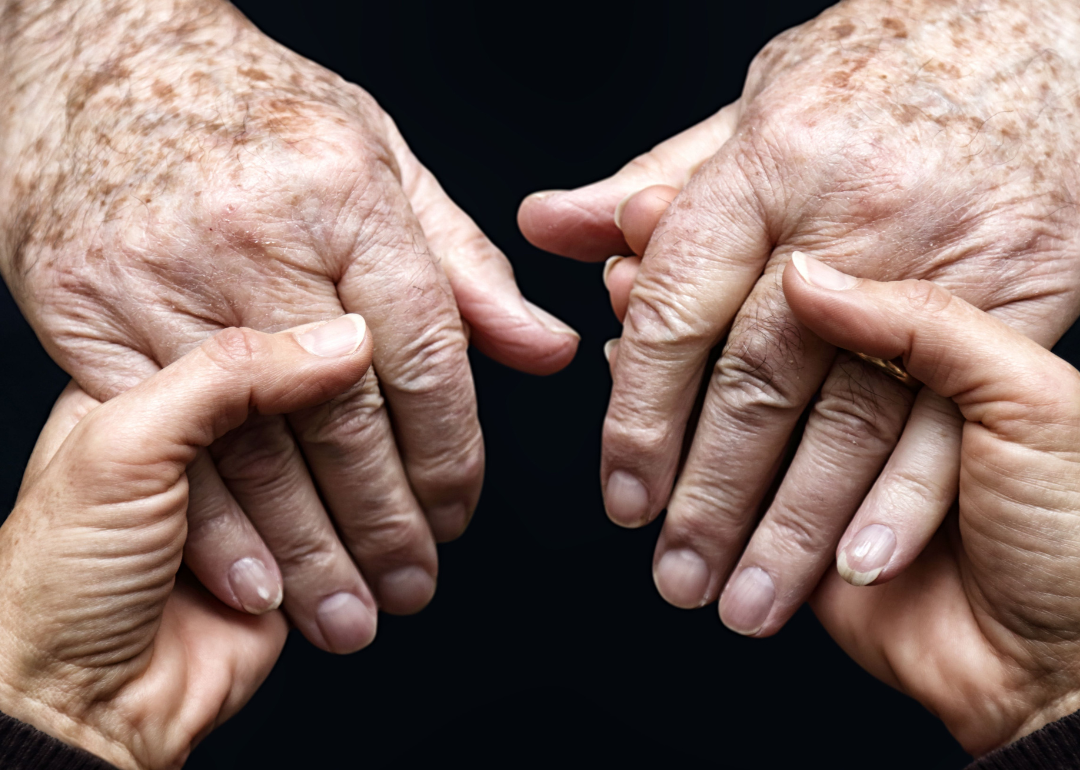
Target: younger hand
{"x": 984, "y": 627}
{"x": 103, "y": 646}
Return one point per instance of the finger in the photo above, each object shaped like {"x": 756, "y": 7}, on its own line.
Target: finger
{"x": 638, "y": 215}
{"x": 223, "y": 548}
{"x": 952, "y": 347}
{"x": 619, "y": 275}
{"x": 72, "y": 405}
{"x": 141, "y": 442}
{"x": 422, "y": 366}
{"x": 696, "y": 274}
{"x": 909, "y": 500}
{"x": 504, "y": 325}
{"x": 263, "y": 469}
{"x": 849, "y": 434}
{"x": 759, "y": 389}
{"x": 581, "y": 223}
{"x": 349, "y": 446}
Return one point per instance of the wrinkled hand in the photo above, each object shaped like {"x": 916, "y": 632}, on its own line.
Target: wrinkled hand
{"x": 984, "y": 627}
{"x": 103, "y": 646}
{"x": 931, "y": 140}
{"x": 169, "y": 171}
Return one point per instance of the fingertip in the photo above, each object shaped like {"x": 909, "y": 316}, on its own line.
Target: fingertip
{"x": 346, "y": 622}
{"x": 406, "y": 591}
{"x": 579, "y": 224}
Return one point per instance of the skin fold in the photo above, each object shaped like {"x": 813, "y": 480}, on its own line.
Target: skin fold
{"x": 916, "y": 140}
{"x": 167, "y": 171}
{"x": 104, "y": 645}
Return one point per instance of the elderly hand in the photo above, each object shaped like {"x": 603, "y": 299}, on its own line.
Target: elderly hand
{"x": 102, "y": 645}
{"x": 166, "y": 171}
{"x": 931, "y": 140}
{"x": 984, "y": 627}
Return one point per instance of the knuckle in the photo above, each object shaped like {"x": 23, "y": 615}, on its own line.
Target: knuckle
{"x": 434, "y": 364}
{"x": 662, "y": 313}
{"x": 460, "y": 469}
{"x": 302, "y": 551}
{"x": 388, "y": 537}
{"x": 637, "y": 438}
{"x": 857, "y": 420}
{"x": 261, "y": 453}
{"x": 924, "y": 297}
{"x": 348, "y": 420}
{"x": 751, "y": 379}
{"x": 798, "y": 531}
{"x": 236, "y": 348}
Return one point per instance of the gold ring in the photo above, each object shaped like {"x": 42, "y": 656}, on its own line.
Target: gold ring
{"x": 894, "y": 369}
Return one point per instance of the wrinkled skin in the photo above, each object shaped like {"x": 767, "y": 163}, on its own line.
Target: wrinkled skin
{"x": 984, "y": 627}
{"x": 926, "y": 140}
{"x": 167, "y": 171}
{"x": 104, "y": 645}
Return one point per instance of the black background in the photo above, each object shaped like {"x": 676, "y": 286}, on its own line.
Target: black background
{"x": 546, "y": 641}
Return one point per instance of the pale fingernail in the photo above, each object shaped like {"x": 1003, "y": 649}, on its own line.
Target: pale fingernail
{"x": 608, "y": 267}
{"x": 682, "y": 578}
{"x": 609, "y": 348}
{"x": 541, "y": 194}
{"x": 447, "y": 522}
{"x": 868, "y": 553}
{"x": 747, "y": 601}
{"x": 256, "y": 588}
{"x": 620, "y": 207}
{"x": 626, "y": 499}
{"x": 817, "y": 273}
{"x": 347, "y": 624}
{"x": 406, "y": 590}
{"x": 339, "y": 337}
{"x": 550, "y": 322}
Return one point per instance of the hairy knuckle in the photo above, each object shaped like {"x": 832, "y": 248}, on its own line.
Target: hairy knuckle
{"x": 855, "y": 423}
{"x": 751, "y": 381}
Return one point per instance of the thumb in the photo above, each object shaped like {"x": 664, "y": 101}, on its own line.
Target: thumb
{"x": 158, "y": 425}
{"x": 581, "y": 223}
{"x": 995, "y": 375}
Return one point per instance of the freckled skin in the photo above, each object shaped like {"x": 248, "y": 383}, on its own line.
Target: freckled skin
{"x": 934, "y": 140}
{"x": 166, "y": 171}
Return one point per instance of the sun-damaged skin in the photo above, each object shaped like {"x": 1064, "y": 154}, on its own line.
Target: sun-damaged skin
{"x": 167, "y": 171}
{"x": 928, "y": 139}
{"x": 104, "y": 645}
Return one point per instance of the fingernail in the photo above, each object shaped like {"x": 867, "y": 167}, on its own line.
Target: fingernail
{"x": 447, "y": 522}
{"x": 256, "y": 588}
{"x": 682, "y": 578}
{"x": 608, "y": 267}
{"x": 550, "y": 322}
{"x": 868, "y": 553}
{"x": 347, "y": 624}
{"x": 620, "y": 207}
{"x": 406, "y": 590}
{"x": 817, "y": 273}
{"x": 339, "y": 337}
{"x": 609, "y": 348}
{"x": 541, "y": 194}
{"x": 747, "y": 601}
{"x": 626, "y": 499}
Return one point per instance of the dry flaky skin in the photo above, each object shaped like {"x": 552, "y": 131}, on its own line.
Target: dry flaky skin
{"x": 928, "y": 139}
{"x": 169, "y": 171}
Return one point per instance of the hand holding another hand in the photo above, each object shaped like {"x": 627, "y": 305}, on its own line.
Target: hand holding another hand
{"x": 925, "y": 140}
{"x": 104, "y": 646}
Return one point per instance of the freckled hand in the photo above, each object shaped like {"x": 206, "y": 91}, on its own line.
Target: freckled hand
{"x": 917, "y": 141}
{"x": 168, "y": 171}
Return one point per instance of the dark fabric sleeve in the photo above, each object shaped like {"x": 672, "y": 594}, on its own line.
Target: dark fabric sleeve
{"x": 23, "y": 747}
{"x": 1054, "y": 747}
